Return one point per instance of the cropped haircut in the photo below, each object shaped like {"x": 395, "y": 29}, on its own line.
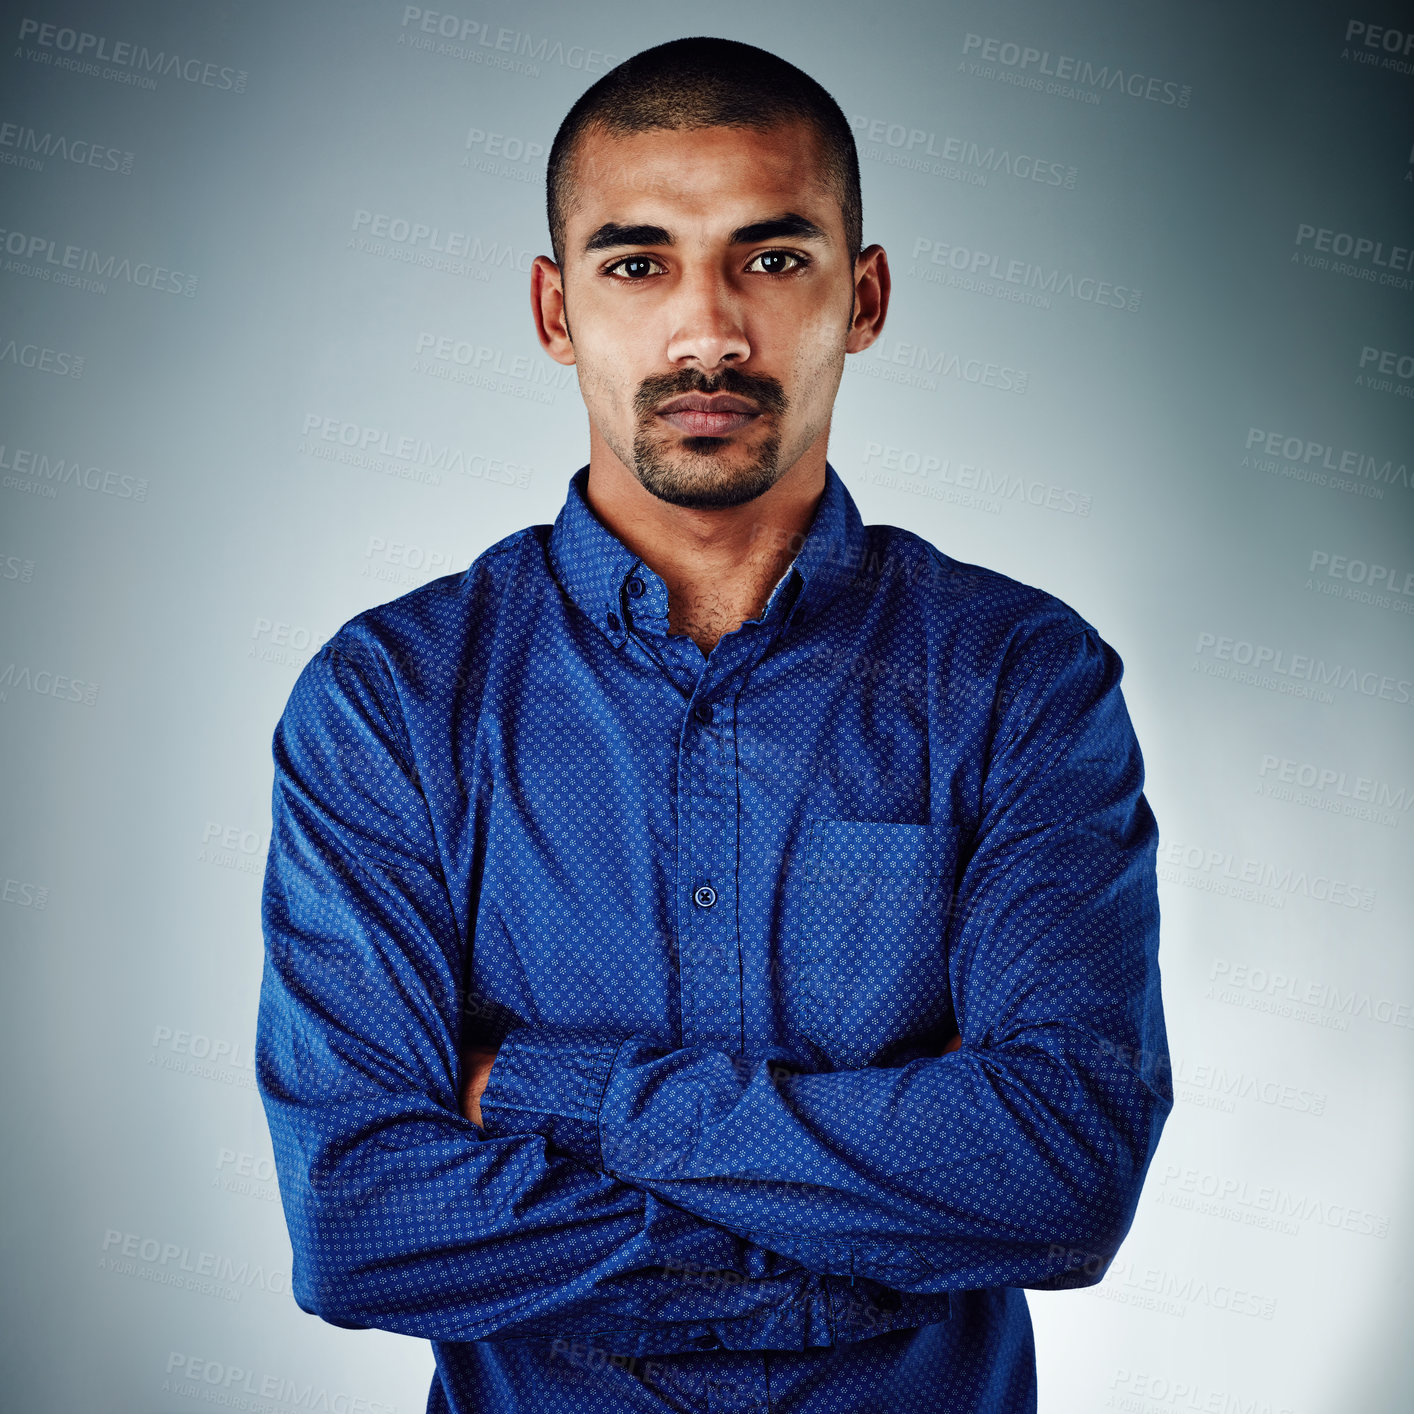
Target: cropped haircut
{"x": 705, "y": 83}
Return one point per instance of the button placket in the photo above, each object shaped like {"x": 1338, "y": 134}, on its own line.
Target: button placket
{"x": 710, "y": 956}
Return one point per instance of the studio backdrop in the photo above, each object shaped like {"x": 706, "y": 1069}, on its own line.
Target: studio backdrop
{"x": 267, "y": 360}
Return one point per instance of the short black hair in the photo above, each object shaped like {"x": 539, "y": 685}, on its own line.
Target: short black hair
{"x": 706, "y": 83}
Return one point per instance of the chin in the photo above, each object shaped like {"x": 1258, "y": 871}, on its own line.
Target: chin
{"x": 704, "y": 482}
{"x": 706, "y": 446}
{"x": 706, "y": 473}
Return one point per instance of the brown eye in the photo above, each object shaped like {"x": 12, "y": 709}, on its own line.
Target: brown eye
{"x": 634, "y": 267}
{"x": 775, "y": 262}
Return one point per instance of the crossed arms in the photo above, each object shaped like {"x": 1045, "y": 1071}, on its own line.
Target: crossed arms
{"x": 1014, "y": 1158}
{"x": 476, "y": 1071}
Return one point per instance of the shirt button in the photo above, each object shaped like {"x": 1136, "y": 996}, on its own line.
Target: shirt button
{"x": 705, "y": 897}
{"x": 703, "y": 712}
{"x": 706, "y": 1341}
{"x": 635, "y": 588}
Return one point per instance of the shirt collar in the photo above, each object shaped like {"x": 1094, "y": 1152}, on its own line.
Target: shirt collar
{"x": 595, "y": 567}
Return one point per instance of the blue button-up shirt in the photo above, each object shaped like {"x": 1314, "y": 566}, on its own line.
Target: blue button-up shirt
{"x": 722, "y": 915}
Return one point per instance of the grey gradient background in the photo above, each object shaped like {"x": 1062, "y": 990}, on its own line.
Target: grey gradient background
{"x": 183, "y": 526}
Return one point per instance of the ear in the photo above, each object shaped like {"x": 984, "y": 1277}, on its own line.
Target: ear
{"x": 547, "y": 304}
{"x": 871, "y": 298}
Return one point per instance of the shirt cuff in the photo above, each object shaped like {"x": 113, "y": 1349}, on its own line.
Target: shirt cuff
{"x": 550, "y": 1081}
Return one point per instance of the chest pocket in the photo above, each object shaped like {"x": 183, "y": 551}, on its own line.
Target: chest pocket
{"x": 873, "y": 960}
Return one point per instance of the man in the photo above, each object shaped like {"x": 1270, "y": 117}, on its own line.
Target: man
{"x": 711, "y": 944}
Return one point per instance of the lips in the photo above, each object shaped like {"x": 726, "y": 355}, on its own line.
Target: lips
{"x": 708, "y": 414}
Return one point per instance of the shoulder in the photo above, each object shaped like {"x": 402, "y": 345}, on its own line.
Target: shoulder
{"x": 425, "y": 647}
{"x": 975, "y": 613}
{"x": 439, "y": 623}
{"x": 1019, "y": 656}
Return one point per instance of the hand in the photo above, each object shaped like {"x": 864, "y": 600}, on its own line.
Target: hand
{"x": 953, "y": 1045}
{"x": 476, "y": 1071}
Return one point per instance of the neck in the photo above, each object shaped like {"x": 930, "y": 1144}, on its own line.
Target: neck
{"x": 719, "y": 565}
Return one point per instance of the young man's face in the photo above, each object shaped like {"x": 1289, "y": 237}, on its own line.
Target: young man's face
{"x": 709, "y": 299}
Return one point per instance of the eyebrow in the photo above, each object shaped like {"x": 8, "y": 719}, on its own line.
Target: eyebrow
{"x": 788, "y": 226}
{"x": 611, "y": 235}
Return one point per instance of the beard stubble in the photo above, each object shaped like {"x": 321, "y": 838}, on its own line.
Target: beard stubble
{"x": 683, "y": 477}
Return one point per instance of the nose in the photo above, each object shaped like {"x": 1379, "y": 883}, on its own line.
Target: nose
{"x": 707, "y": 326}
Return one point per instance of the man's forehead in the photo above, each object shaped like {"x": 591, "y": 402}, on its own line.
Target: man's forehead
{"x": 722, "y": 177}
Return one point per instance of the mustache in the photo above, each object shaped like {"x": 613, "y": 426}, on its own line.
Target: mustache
{"x": 766, "y": 392}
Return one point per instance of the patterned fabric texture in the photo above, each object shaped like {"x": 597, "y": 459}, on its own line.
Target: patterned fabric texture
{"x": 722, "y": 914}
